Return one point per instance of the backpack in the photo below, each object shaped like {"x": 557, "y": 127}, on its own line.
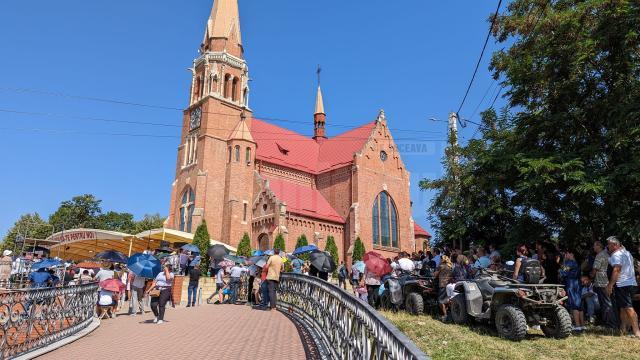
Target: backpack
{"x": 531, "y": 271}
{"x": 343, "y": 272}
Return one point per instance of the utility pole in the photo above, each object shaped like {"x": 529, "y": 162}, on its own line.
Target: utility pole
{"x": 454, "y": 161}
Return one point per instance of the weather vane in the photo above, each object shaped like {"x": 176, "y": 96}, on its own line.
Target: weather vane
{"x": 318, "y": 72}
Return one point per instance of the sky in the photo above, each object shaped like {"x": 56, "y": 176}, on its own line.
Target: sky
{"x": 412, "y": 58}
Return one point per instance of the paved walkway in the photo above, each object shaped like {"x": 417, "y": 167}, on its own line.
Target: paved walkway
{"x": 203, "y": 332}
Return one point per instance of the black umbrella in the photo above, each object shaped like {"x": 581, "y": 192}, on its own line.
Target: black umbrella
{"x": 322, "y": 261}
{"x": 217, "y": 252}
{"x": 112, "y": 256}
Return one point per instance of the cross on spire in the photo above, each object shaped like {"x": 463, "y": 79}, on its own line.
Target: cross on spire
{"x": 318, "y": 73}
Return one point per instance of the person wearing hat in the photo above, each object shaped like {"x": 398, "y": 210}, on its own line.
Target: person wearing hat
{"x": 5, "y": 268}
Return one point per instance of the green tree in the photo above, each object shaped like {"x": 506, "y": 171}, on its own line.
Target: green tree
{"x": 244, "y": 248}
{"x": 300, "y": 242}
{"x": 358, "y": 249}
{"x": 116, "y": 221}
{"x": 332, "y": 249}
{"x": 28, "y": 226}
{"x": 278, "y": 243}
{"x": 202, "y": 240}
{"x": 79, "y": 212}
{"x": 149, "y": 222}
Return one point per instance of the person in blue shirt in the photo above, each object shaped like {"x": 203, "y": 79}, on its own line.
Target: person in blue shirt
{"x": 40, "y": 278}
{"x": 483, "y": 260}
{"x": 297, "y": 265}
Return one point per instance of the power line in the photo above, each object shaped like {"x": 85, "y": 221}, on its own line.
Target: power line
{"x": 138, "y": 104}
{"x": 70, "y": 131}
{"x": 484, "y": 47}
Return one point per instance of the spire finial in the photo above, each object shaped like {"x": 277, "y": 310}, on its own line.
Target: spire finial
{"x": 381, "y": 116}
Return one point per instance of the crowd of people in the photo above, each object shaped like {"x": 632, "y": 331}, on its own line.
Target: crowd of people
{"x": 601, "y": 283}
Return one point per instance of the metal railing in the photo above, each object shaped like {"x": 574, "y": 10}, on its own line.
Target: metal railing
{"x": 342, "y": 326}
{"x": 34, "y": 318}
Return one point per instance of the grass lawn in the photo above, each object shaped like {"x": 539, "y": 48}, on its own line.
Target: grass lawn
{"x": 449, "y": 341}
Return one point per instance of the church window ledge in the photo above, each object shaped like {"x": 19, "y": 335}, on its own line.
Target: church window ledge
{"x": 386, "y": 248}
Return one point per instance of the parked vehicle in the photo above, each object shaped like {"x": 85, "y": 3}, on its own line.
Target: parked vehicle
{"x": 511, "y": 305}
{"x": 410, "y": 292}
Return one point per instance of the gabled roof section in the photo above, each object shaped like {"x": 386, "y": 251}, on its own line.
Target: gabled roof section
{"x": 241, "y": 132}
{"x": 303, "y": 200}
{"x": 287, "y": 148}
{"x": 419, "y": 231}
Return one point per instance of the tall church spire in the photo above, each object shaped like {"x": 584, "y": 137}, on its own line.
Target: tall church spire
{"x": 319, "y": 117}
{"x": 223, "y": 28}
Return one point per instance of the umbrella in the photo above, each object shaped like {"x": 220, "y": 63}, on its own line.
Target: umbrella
{"x": 236, "y": 259}
{"x": 305, "y": 249}
{"x": 258, "y": 253}
{"x": 165, "y": 249}
{"x": 269, "y": 252}
{"x": 376, "y": 264}
{"x": 46, "y": 263}
{"x": 114, "y": 285}
{"x": 360, "y": 266}
{"x": 217, "y": 252}
{"x": 162, "y": 256}
{"x": 226, "y": 263}
{"x": 144, "y": 265}
{"x": 322, "y": 261}
{"x": 88, "y": 265}
{"x": 191, "y": 247}
{"x": 259, "y": 261}
{"x": 112, "y": 256}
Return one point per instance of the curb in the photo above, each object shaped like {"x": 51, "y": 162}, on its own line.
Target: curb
{"x": 58, "y": 344}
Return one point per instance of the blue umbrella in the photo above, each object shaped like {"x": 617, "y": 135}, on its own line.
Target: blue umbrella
{"x": 258, "y": 252}
{"x": 269, "y": 252}
{"x": 360, "y": 266}
{"x": 144, "y": 265}
{"x": 191, "y": 247}
{"x": 46, "y": 263}
{"x": 305, "y": 249}
{"x": 112, "y": 256}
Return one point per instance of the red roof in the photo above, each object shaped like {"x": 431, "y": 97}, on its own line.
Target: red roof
{"x": 419, "y": 231}
{"x": 303, "y": 200}
{"x": 284, "y": 147}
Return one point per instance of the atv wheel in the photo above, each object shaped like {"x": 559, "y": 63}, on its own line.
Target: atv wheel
{"x": 414, "y": 304}
{"x": 511, "y": 323}
{"x": 459, "y": 310}
{"x": 559, "y": 323}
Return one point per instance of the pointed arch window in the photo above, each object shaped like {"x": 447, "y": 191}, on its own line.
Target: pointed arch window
{"x": 187, "y": 206}
{"x": 237, "y": 155}
{"x": 234, "y": 89}
{"x": 227, "y": 86}
{"x": 248, "y": 155}
{"x": 384, "y": 221}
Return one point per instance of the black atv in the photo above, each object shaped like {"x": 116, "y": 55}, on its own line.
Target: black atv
{"x": 412, "y": 292}
{"x": 511, "y": 305}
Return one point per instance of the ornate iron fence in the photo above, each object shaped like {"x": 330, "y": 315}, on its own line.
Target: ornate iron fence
{"x": 33, "y": 318}
{"x": 342, "y": 326}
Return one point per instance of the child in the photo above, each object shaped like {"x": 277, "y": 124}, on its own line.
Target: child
{"x": 256, "y": 286}
{"x": 590, "y": 302}
{"x": 361, "y": 291}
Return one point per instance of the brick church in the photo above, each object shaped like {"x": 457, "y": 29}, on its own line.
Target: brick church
{"x": 245, "y": 175}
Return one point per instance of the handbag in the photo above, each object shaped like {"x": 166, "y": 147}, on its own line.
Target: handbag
{"x": 154, "y": 292}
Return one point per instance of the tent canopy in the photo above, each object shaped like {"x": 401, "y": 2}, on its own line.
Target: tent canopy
{"x": 175, "y": 236}
{"x": 82, "y": 244}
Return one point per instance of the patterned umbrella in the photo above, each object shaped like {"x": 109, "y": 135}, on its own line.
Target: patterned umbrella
{"x": 114, "y": 285}
{"x": 376, "y": 264}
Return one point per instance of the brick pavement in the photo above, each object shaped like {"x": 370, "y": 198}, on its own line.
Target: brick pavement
{"x": 203, "y": 332}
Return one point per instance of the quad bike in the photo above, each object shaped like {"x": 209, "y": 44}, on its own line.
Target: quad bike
{"x": 511, "y": 305}
{"x": 409, "y": 291}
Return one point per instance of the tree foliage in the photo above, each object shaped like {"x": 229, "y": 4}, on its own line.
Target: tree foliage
{"x": 302, "y": 241}
{"x": 244, "y": 248}
{"x": 562, "y": 160}
{"x": 278, "y": 243}
{"x": 84, "y": 211}
{"x": 332, "y": 249}
{"x": 358, "y": 249}
{"x": 202, "y": 240}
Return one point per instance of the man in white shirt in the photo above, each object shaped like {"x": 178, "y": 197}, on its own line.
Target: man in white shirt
{"x": 624, "y": 278}
{"x": 405, "y": 263}
{"x": 136, "y": 302}
{"x": 104, "y": 274}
